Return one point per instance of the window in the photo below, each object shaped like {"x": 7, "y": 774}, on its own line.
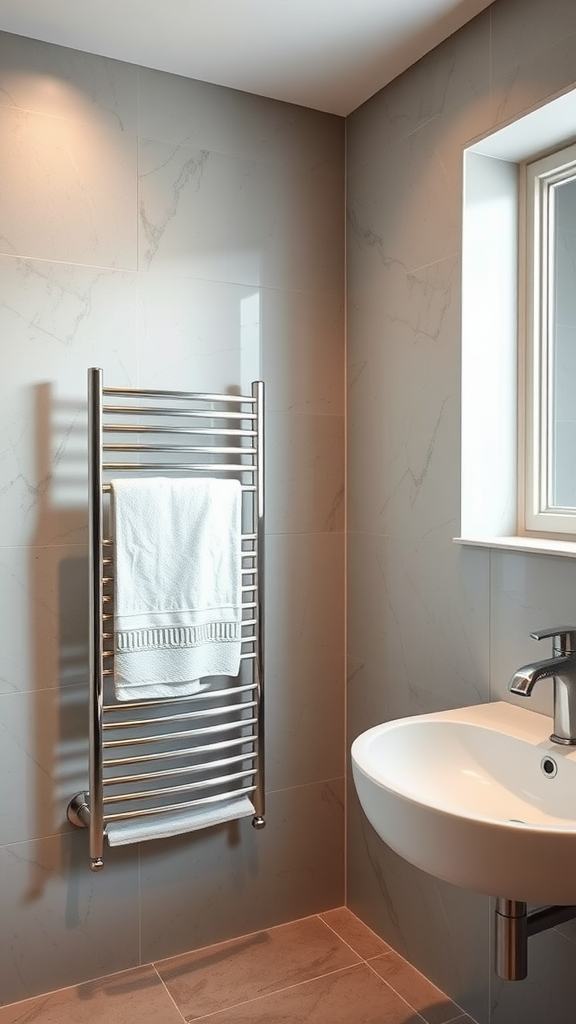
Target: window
{"x": 549, "y": 341}
{"x": 498, "y": 401}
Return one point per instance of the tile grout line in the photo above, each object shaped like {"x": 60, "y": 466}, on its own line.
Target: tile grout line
{"x": 169, "y": 994}
{"x": 376, "y": 956}
{"x": 388, "y": 949}
{"x": 286, "y": 988}
{"x": 403, "y": 998}
{"x": 235, "y": 938}
{"x": 461, "y": 1012}
{"x": 338, "y": 936}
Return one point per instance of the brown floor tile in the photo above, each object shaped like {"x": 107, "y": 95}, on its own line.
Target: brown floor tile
{"x": 231, "y": 972}
{"x": 133, "y": 997}
{"x": 430, "y": 1002}
{"x": 362, "y": 939}
{"x": 464, "y": 1019}
{"x": 351, "y": 996}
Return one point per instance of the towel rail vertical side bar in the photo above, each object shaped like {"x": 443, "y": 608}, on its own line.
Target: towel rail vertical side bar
{"x": 259, "y": 795}
{"x": 96, "y": 641}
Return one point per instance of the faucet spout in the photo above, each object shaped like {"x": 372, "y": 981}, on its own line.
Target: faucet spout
{"x": 523, "y": 681}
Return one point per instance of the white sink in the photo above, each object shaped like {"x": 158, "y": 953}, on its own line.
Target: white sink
{"x": 465, "y": 796}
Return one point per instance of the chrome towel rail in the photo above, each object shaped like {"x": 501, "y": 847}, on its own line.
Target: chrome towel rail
{"x": 209, "y": 745}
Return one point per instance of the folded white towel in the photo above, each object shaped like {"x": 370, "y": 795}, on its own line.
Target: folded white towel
{"x": 174, "y": 823}
{"x": 177, "y": 584}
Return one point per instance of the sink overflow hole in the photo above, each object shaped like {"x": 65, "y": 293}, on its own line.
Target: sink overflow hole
{"x": 549, "y": 767}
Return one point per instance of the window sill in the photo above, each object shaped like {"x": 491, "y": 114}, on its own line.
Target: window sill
{"x": 527, "y": 545}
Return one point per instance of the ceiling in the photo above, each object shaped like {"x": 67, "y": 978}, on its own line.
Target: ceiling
{"x": 327, "y": 54}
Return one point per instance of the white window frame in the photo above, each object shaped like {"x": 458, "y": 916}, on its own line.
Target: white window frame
{"x": 537, "y": 514}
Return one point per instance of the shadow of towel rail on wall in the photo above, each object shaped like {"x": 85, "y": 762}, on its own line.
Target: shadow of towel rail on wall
{"x": 201, "y": 754}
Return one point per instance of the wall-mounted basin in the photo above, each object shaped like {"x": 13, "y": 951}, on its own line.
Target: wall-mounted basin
{"x": 479, "y": 797}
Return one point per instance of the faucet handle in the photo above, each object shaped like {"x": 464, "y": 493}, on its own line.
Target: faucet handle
{"x": 564, "y": 638}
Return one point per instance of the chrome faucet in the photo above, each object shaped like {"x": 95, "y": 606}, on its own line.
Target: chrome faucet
{"x": 561, "y": 667}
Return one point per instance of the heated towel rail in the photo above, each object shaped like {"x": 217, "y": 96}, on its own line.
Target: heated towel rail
{"x": 149, "y": 759}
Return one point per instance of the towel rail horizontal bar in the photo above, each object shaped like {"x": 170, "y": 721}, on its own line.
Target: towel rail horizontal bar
{"x": 142, "y": 428}
{"x": 151, "y": 794}
{"x": 191, "y": 414}
{"x": 195, "y": 449}
{"x": 184, "y": 717}
{"x": 130, "y": 741}
{"x": 164, "y": 755}
{"x": 202, "y": 467}
{"x": 188, "y": 769}
{"x": 163, "y": 702}
{"x": 181, "y": 806}
{"x": 187, "y": 396}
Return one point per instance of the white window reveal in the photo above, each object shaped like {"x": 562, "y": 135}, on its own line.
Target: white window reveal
{"x": 550, "y": 344}
{"x": 519, "y": 335}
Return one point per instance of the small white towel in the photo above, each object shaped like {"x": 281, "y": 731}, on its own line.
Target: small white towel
{"x": 175, "y": 823}
{"x": 177, "y": 584}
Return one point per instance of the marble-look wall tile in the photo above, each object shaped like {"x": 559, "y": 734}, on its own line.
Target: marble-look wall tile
{"x": 304, "y": 595}
{"x": 184, "y": 203}
{"x": 303, "y": 354}
{"x": 209, "y": 333}
{"x": 55, "y": 322}
{"x": 231, "y": 880}
{"x": 371, "y": 697}
{"x": 286, "y": 228}
{"x": 403, "y": 452}
{"x": 304, "y": 719}
{"x": 418, "y": 613}
{"x": 305, "y": 473}
{"x": 214, "y": 335}
{"x": 44, "y": 620}
{"x": 527, "y": 592}
{"x": 525, "y": 29}
{"x": 56, "y": 204}
{"x": 180, "y": 111}
{"x": 539, "y": 77}
{"x": 403, "y": 209}
{"x": 208, "y": 215}
{"x": 67, "y": 83}
{"x": 452, "y": 77}
{"x": 43, "y": 761}
{"x": 61, "y": 923}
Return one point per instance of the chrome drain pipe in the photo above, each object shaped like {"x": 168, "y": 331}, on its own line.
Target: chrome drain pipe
{"x": 511, "y": 942}
{"x": 514, "y": 926}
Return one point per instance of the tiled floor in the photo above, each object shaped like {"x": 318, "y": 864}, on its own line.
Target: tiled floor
{"x": 329, "y": 969}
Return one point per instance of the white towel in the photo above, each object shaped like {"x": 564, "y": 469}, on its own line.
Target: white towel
{"x": 174, "y": 823}
{"x": 177, "y": 584}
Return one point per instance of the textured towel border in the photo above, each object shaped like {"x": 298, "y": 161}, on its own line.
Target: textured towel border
{"x": 168, "y": 637}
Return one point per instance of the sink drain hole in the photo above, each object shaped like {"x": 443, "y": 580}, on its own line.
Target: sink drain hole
{"x": 549, "y": 767}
